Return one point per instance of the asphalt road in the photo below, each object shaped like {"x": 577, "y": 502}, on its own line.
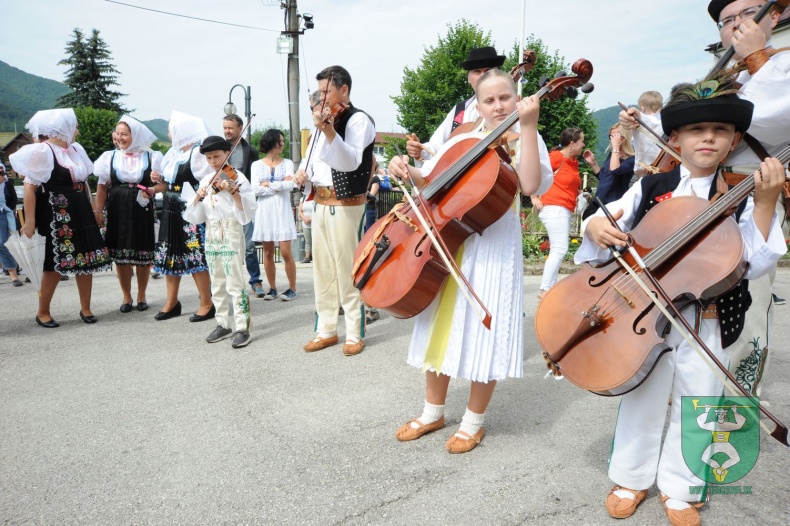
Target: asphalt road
{"x": 133, "y": 421}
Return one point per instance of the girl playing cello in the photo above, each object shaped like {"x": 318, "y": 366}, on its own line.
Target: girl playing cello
{"x": 448, "y": 341}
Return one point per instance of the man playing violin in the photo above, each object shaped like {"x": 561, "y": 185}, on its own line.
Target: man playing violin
{"x": 338, "y": 170}
{"x": 225, "y": 202}
{"x": 479, "y": 61}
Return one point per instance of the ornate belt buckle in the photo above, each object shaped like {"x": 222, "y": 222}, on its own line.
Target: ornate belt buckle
{"x": 323, "y": 192}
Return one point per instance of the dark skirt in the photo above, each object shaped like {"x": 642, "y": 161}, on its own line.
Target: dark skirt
{"x": 182, "y": 244}
{"x": 130, "y": 227}
{"x": 65, "y": 218}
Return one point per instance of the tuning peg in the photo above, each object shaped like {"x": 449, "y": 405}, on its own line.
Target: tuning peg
{"x": 571, "y": 92}
{"x": 559, "y": 74}
{"x": 542, "y": 81}
{"x": 588, "y": 88}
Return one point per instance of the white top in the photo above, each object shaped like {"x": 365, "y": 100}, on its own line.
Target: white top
{"x": 645, "y": 148}
{"x": 219, "y": 205}
{"x": 761, "y": 254}
{"x": 260, "y": 173}
{"x": 175, "y": 158}
{"x": 769, "y": 90}
{"x": 36, "y": 163}
{"x": 142, "y": 137}
{"x": 129, "y": 167}
{"x": 342, "y": 155}
{"x": 442, "y": 133}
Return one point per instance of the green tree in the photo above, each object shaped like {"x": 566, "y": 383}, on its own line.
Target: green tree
{"x": 96, "y": 127}
{"x": 258, "y": 133}
{"x": 438, "y": 83}
{"x": 91, "y": 74}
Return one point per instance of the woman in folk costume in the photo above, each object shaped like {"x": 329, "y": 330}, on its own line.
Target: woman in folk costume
{"x": 128, "y": 175}
{"x": 448, "y": 340}
{"x": 58, "y": 206}
{"x": 181, "y": 250}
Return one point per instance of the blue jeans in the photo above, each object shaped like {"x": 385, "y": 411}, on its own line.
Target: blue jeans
{"x": 251, "y": 258}
{"x": 6, "y": 259}
{"x": 370, "y": 218}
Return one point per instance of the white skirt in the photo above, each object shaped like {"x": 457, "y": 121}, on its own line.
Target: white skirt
{"x": 274, "y": 218}
{"x": 494, "y": 265}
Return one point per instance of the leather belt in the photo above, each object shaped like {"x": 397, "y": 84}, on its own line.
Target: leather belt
{"x": 325, "y": 195}
{"x": 710, "y": 313}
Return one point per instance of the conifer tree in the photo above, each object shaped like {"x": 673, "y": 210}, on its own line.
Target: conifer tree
{"x": 91, "y": 74}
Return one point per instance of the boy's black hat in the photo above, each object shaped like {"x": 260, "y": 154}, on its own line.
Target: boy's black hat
{"x": 212, "y": 143}
{"x": 715, "y": 7}
{"x": 726, "y": 108}
{"x": 483, "y": 57}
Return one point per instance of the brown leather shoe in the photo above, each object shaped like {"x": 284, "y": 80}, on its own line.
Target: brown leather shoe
{"x": 621, "y": 508}
{"x": 687, "y": 517}
{"x": 318, "y": 343}
{"x": 351, "y": 348}
{"x": 464, "y": 445}
{"x": 406, "y": 432}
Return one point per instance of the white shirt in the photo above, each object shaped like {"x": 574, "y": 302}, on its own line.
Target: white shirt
{"x": 36, "y": 162}
{"x": 129, "y": 167}
{"x": 219, "y": 205}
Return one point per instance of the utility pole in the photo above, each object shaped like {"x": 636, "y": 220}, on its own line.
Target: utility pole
{"x": 292, "y": 29}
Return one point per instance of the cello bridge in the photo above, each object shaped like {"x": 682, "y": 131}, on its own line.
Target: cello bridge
{"x": 622, "y": 295}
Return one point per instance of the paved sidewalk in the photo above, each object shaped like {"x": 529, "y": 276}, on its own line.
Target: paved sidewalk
{"x": 133, "y": 421}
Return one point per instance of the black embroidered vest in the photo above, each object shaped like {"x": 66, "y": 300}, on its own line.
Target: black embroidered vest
{"x": 731, "y": 305}
{"x": 350, "y": 184}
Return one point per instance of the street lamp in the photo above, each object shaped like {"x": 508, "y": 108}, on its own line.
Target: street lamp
{"x": 231, "y": 108}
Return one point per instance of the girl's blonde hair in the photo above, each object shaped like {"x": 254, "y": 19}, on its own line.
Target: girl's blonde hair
{"x": 626, "y": 148}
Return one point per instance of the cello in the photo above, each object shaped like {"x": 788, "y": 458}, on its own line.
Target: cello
{"x": 469, "y": 189}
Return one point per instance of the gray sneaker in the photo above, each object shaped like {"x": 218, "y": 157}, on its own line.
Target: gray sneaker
{"x": 219, "y": 333}
{"x": 271, "y": 294}
{"x": 241, "y": 339}
{"x": 288, "y": 295}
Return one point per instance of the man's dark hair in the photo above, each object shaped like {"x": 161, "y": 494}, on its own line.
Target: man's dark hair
{"x": 235, "y": 118}
{"x": 270, "y": 139}
{"x": 340, "y": 77}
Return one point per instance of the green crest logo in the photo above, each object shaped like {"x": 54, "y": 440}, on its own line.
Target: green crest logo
{"x": 720, "y": 436}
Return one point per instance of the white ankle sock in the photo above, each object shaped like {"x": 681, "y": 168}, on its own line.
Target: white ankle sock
{"x": 674, "y": 504}
{"x": 326, "y": 335}
{"x": 471, "y": 423}
{"x": 430, "y": 414}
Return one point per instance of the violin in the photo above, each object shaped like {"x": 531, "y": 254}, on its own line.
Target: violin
{"x": 469, "y": 189}
{"x": 229, "y": 174}
{"x": 334, "y": 112}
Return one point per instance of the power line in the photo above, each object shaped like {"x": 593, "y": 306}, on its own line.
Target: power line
{"x": 191, "y": 17}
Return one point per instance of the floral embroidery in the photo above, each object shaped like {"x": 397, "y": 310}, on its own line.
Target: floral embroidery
{"x": 750, "y": 370}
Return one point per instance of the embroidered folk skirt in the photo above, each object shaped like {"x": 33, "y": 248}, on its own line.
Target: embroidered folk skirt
{"x": 65, "y": 218}
{"x": 181, "y": 249}
{"x": 130, "y": 227}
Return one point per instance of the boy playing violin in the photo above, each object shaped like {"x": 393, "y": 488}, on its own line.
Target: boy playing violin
{"x": 225, "y": 203}
{"x": 705, "y": 123}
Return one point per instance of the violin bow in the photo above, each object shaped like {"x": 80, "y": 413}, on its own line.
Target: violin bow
{"x": 318, "y": 132}
{"x": 441, "y": 248}
{"x": 680, "y": 323}
{"x": 238, "y": 141}
{"x": 655, "y": 137}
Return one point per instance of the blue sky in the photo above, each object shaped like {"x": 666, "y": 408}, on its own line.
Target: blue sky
{"x": 169, "y": 63}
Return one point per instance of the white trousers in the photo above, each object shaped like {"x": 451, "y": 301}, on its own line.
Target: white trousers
{"x": 557, "y": 220}
{"x": 638, "y": 457}
{"x": 336, "y": 234}
{"x": 225, "y": 251}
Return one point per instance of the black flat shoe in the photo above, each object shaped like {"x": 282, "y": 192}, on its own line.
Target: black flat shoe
{"x": 88, "y": 319}
{"x": 203, "y": 317}
{"x": 141, "y": 306}
{"x": 172, "y": 313}
{"x": 51, "y": 324}
{"x": 126, "y": 307}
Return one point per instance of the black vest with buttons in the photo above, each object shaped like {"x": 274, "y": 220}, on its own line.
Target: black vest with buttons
{"x": 731, "y": 305}
{"x": 354, "y": 183}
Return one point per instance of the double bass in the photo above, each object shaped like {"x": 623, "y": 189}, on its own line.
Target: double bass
{"x": 469, "y": 189}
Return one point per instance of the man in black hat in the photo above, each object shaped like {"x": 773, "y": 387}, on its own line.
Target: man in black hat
{"x": 480, "y": 60}
{"x": 224, "y": 202}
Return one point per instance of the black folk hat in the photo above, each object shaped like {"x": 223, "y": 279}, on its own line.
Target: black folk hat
{"x": 726, "y": 108}
{"x": 212, "y": 143}
{"x": 483, "y": 57}
{"x": 715, "y": 7}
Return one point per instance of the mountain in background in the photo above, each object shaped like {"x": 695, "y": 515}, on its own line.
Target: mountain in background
{"x": 23, "y": 94}
{"x": 606, "y": 118}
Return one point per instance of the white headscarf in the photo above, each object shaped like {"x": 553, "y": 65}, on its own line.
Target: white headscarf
{"x": 186, "y": 129}
{"x": 142, "y": 137}
{"x": 58, "y": 124}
